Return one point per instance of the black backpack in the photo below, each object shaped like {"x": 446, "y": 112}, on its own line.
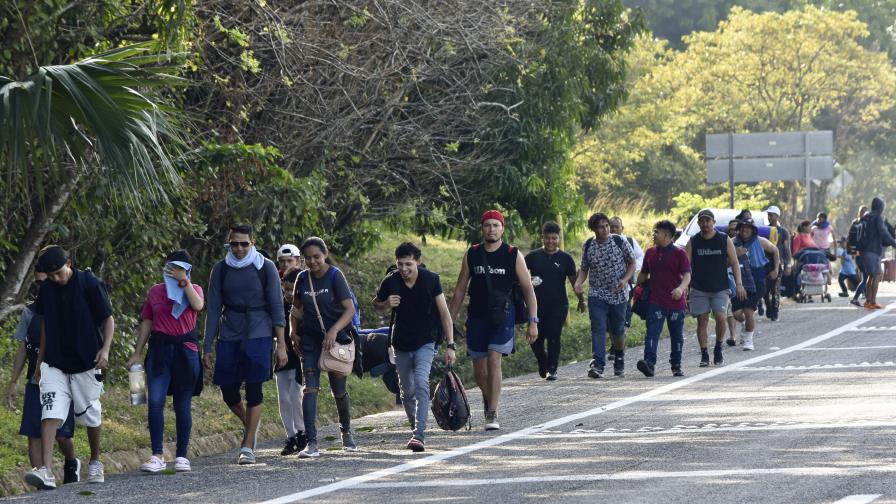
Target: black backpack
{"x": 449, "y": 403}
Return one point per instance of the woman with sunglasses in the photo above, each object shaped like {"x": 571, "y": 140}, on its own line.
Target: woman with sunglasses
{"x": 245, "y": 307}
{"x": 322, "y": 308}
{"x": 168, "y": 322}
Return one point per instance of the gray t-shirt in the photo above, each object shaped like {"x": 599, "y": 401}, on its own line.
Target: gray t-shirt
{"x": 330, "y": 291}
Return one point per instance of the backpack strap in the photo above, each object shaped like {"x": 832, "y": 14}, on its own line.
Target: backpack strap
{"x": 262, "y": 279}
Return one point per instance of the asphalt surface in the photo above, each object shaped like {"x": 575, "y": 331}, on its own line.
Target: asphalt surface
{"x": 810, "y": 416}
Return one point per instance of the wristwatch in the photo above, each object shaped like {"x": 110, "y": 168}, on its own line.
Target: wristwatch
{"x": 451, "y": 346}
{"x": 533, "y": 320}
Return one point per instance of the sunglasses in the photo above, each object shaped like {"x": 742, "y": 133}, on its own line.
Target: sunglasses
{"x": 235, "y": 244}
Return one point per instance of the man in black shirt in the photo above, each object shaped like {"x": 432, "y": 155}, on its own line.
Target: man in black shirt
{"x": 551, "y": 268}
{"x": 76, "y": 335}
{"x": 414, "y": 294}
{"x": 492, "y": 270}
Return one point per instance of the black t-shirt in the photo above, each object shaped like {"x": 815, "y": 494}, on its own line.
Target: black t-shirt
{"x": 502, "y": 264}
{"x": 330, "y": 291}
{"x": 72, "y": 315}
{"x": 553, "y": 269}
{"x": 709, "y": 263}
{"x": 417, "y": 317}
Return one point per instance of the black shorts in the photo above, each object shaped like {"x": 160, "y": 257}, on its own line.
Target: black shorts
{"x": 750, "y": 303}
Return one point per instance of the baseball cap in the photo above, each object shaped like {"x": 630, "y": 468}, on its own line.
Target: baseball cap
{"x": 52, "y": 259}
{"x": 706, "y": 213}
{"x": 773, "y": 209}
{"x": 288, "y": 250}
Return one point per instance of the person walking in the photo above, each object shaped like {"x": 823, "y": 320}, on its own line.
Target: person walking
{"x": 551, "y": 268}
{"x": 756, "y": 248}
{"x": 803, "y": 239}
{"x": 288, "y": 258}
{"x": 668, "y": 270}
{"x": 245, "y": 307}
{"x": 617, "y": 228}
{"x": 421, "y": 316}
{"x": 608, "y": 263}
{"x": 742, "y": 309}
{"x": 852, "y": 244}
{"x": 823, "y": 232}
{"x": 491, "y": 270}
{"x": 168, "y": 323}
{"x": 321, "y": 316}
{"x": 780, "y": 237}
{"x": 875, "y": 236}
{"x": 27, "y": 335}
{"x": 711, "y": 254}
{"x": 289, "y": 376}
{"x": 75, "y": 338}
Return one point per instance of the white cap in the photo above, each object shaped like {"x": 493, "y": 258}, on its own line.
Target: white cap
{"x": 288, "y": 250}
{"x": 773, "y": 209}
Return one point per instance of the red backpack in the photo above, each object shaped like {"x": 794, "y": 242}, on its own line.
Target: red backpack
{"x": 449, "y": 403}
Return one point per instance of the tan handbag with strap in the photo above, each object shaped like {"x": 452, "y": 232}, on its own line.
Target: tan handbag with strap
{"x": 341, "y": 356}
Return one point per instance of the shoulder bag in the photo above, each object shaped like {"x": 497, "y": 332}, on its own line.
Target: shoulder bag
{"x": 340, "y": 358}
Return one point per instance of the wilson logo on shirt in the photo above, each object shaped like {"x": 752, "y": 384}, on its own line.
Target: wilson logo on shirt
{"x": 480, "y": 270}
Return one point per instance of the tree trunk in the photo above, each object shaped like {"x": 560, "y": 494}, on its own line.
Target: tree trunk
{"x": 16, "y": 275}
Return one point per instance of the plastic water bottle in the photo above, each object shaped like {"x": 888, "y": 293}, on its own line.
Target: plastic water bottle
{"x": 137, "y": 379}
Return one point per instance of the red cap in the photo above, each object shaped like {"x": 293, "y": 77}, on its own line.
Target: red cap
{"x": 493, "y": 214}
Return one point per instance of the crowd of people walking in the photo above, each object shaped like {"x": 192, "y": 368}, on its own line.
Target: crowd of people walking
{"x": 295, "y": 317}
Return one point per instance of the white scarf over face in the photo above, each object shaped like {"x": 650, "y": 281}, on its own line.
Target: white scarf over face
{"x": 252, "y": 257}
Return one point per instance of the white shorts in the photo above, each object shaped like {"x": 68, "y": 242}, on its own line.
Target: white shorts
{"x": 59, "y": 390}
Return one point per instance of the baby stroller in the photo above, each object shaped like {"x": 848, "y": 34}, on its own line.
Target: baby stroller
{"x": 814, "y": 275}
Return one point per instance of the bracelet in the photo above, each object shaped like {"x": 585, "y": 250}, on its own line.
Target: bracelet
{"x": 451, "y": 346}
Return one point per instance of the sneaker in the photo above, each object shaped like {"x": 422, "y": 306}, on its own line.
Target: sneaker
{"x": 551, "y": 376}
{"x": 416, "y": 445}
{"x": 646, "y": 368}
{"x": 153, "y": 465}
{"x": 619, "y": 367}
{"x": 731, "y": 342}
{"x": 748, "y": 343}
{"x": 717, "y": 358}
{"x": 676, "y": 371}
{"x": 542, "y": 372}
{"x": 42, "y": 479}
{"x": 95, "y": 472}
{"x": 310, "y": 450}
{"x": 247, "y": 457}
{"x": 491, "y": 421}
{"x": 595, "y": 371}
{"x": 301, "y": 441}
{"x": 611, "y": 355}
{"x": 855, "y": 302}
{"x": 348, "y": 442}
{"x": 182, "y": 464}
{"x": 289, "y": 446}
{"x": 704, "y": 358}
{"x": 71, "y": 471}
{"x": 843, "y": 294}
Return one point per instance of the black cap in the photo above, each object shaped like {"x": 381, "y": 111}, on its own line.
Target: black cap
{"x": 52, "y": 259}
{"x": 706, "y": 213}
{"x": 748, "y": 222}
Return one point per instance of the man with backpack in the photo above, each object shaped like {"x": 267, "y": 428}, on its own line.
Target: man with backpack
{"x": 780, "y": 237}
{"x": 245, "y": 307}
{"x": 872, "y": 236}
{"x": 551, "y": 268}
{"x": 608, "y": 263}
{"x": 711, "y": 254}
{"x": 493, "y": 270}
{"x": 617, "y": 228}
{"x": 420, "y": 319}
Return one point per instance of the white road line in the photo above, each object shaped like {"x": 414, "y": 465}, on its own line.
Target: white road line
{"x": 873, "y": 329}
{"x": 820, "y": 367}
{"x": 512, "y": 436}
{"x": 817, "y": 349}
{"x": 695, "y": 429}
{"x": 858, "y": 499}
{"x": 639, "y": 475}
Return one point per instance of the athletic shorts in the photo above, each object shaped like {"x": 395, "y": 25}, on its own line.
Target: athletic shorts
{"x": 701, "y": 302}
{"x": 31, "y": 416}
{"x": 250, "y": 364}
{"x": 871, "y": 261}
{"x": 59, "y": 392}
{"x": 482, "y": 337}
{"x": 750, "y": 303}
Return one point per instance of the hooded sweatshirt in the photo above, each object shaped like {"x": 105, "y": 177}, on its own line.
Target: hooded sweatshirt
{"x": 878, "y": 234}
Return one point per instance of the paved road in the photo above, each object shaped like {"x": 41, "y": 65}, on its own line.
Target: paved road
{"x": 810, "y": 416}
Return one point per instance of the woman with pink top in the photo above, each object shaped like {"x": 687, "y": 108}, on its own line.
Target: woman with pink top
{"x": 823, "y": 232}
{"x": 803, "y": 238}
{"x": 172, "y": 361}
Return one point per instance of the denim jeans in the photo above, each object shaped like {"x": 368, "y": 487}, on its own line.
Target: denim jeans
{"x": 311, "y": 351}
{"x": 413, "y": 380}
{"x": 157, "y": 389}
{"x": 674, "y": 319}
{"x": 604, "y": 317}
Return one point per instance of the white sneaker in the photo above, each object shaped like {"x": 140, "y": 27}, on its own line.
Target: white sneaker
{"x": 310, "y": 450}
{"x": 181, "y": 464}
{"x": 95, "y": 473}
{"x": 42, "y": 478}
{"x": 491, "y": 421}
{"x": 748, "y": 343}
{"x": 154, "y": 465}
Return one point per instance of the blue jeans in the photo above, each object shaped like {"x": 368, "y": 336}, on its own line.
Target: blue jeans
{"x": 605, "y": 317}
{"x": 157, "y": 390}
{"x": 413, "y": 380}
{"x": 311, "y": 351}
{"x": 674, "y": 319}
